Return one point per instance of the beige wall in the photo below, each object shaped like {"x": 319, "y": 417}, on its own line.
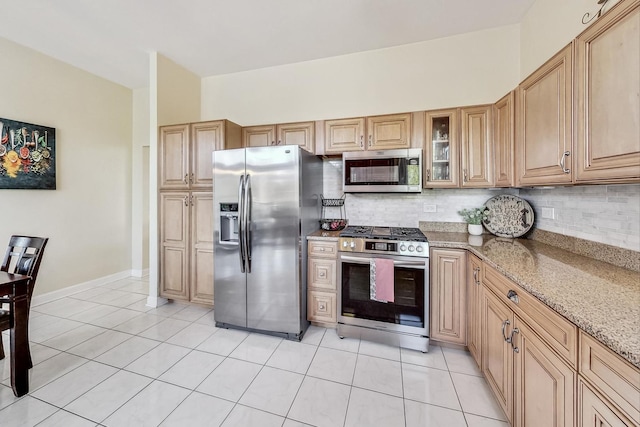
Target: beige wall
{"x": 548, "y": 26}
{"x": 472, "y": 68}
{"x": 88, "y": 217}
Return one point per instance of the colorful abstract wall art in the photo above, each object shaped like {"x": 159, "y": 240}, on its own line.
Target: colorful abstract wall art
{"x": 27, "y": 156}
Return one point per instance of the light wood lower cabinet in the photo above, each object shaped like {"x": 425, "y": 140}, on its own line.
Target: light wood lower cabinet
{"x": 474, "y": 304}
{"x": 497, "y": 354}
{"x": 448, "y": 296}
{"x": 186, "y": 246}
{"x": 544, "y": 387}
{"x": 322, "y": 282}
{"x": 533, "y": 382}
{"x": 595, "y": 411}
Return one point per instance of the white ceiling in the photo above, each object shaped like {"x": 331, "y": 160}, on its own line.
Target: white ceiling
{"x": 113, "y": 38}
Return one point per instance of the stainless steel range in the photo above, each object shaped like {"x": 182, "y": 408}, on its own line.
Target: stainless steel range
{"x": 404, "y": 321}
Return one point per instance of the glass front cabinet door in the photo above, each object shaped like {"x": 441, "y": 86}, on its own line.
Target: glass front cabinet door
{"x": 441, "y": 149}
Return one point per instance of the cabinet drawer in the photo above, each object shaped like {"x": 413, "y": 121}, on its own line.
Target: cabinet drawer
{"x": 321, "y": 306}
{"x": 557, "y": 331}
{"x": 322, "y": 273}
{"x": 613, "y": 376}
{"x": 323, "y": 249}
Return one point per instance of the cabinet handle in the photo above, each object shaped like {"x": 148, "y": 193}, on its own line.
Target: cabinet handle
{"x": 192, "y": 178}
{"x": 428, "y": 174}
{"x": 513, "y": 296}
{"x": 361, "y": 140}
{"x": 370, "y": 138}
{"x": 186, "y": 200}
{"x": 191, "y": 200}
{"x": 504, "y": 325}
{"x": 476, "y": 271}
{"x": 464, "y": 175}
{"x": 515, "y": 349}
{"x": 279, "y": 142}
{"x": 186, "y": 178}
{"x": 562, "y": 159}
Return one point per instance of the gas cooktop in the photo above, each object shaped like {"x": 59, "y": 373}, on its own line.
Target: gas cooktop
{"x": 407, "y": 234}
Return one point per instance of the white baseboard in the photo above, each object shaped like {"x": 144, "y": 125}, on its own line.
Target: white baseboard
{"x": 60, "y": 293}
{"x": 140, "y": 273}
{"x": 156, "y": 301}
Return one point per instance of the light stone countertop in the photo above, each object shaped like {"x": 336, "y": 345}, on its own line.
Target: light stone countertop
{"x": 601, "y": 299}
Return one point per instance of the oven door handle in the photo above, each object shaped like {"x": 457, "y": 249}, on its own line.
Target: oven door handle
{"x": 366, "y": 260}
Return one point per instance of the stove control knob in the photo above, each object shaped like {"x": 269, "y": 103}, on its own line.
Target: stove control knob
{"x": 352, "y": 244}
{"x": 411, "y": 248}
{"x": 344, "y": 244}
{"x": 403, "y": 248}
{"x": 419, "y": 249}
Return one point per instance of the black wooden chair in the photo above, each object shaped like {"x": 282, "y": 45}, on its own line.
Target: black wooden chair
{"x": 23, "y": 256}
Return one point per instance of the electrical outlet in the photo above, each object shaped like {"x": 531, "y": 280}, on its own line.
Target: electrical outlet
{"x": 548, "y": 213}
{"x": 429, "y": 208}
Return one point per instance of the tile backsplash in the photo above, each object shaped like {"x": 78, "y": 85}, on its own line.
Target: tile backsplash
{"x": 607, "y": 214}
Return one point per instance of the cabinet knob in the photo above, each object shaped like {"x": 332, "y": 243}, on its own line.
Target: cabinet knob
{"x": 370, "y": 138}
{"x": 464, "y": 175}
{"x": 513, "y": 296}
{"x": 361, "y": 140}
{"x": 428, "y": 171}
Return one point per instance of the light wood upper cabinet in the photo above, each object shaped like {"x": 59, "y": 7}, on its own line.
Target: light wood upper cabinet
{"x": 544, "y": 123}
{"x": 476, "y": 146}
{"x": 174, "y": 158}
{"x": 185, "y": 152}
{"x": 343, "y": 135}
{"x": 474, "y": 304}
{"x": 607, "y": 93}
{"x": 371, "y": 133}
{"x": 258, "y": 136}
{"x": 504, "y": 140}
{"x": 441, "y": 149}
{"x": 206, "y": 137}
{"x": 302, "y": 134}
{"x": 448, "y": 295}
{"x": 389, "y": 132}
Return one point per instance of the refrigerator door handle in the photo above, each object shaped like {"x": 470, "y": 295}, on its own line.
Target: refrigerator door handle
{"x": 247, "y": 221}
{"x": 241, "y": 222}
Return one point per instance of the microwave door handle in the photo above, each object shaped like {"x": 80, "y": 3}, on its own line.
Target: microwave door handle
{"x": 241, "y": 226}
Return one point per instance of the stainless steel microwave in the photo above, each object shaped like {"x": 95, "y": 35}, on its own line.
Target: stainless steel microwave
{"x": 389, "y": 171}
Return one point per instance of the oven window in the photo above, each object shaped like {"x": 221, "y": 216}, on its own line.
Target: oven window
{"x": 408, "y": 308}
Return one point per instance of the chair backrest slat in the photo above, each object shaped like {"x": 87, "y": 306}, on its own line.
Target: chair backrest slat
{"x": 24, "y": 256}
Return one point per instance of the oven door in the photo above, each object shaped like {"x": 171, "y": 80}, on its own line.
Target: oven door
{"x": 408, "y": 313}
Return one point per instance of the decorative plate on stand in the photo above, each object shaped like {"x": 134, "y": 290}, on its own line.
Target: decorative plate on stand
{"x": 508, "y": 216}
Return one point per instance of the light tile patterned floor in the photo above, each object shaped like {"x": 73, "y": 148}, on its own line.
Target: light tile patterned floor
{"x": 101, "y": 357}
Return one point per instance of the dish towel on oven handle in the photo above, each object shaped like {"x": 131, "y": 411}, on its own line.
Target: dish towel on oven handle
{"x": 381, "y": 281}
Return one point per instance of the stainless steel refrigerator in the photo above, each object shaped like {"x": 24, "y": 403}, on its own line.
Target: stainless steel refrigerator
{"x": 266, "y": 200}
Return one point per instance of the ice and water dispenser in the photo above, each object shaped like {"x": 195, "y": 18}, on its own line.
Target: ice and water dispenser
{"x": 229, "y": 222}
